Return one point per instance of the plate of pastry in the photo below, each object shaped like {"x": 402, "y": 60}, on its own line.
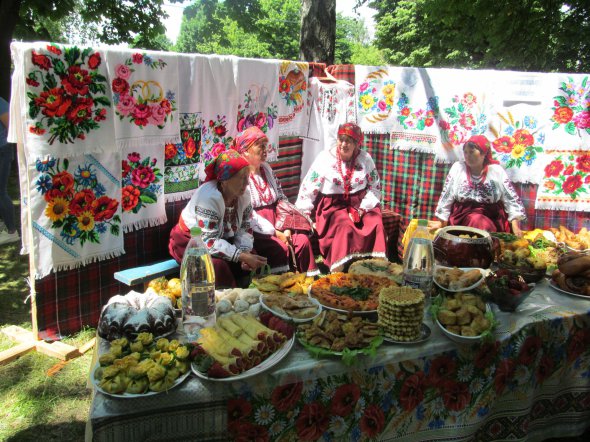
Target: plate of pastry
{"x": 458, "y": 279}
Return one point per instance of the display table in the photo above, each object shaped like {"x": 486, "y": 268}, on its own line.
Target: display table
{"x": 532, "y": 383}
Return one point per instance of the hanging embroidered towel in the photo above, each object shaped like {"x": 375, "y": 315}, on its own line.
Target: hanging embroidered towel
{"x": 416, "y": 112}
{"x": 258, "y": 98}
{"x": 75, "y": 211}
{"x": 293, "y": 90}
{"x": 145, "y": 90}
{"x": 517, "y": 134}
{"x": 217, "y": 100}
{"x": 142, "y": 188}
{"x": 66, "y": 105}
{"x": 375, "y": 89}
{"x": 566, "y": 182}
{"x": 464, "y": 108}
{"x": 569, "y": 111}
{"x": 331, "y": 104}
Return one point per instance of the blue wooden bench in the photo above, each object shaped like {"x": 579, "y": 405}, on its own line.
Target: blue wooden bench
{"x": 144, "y": 274}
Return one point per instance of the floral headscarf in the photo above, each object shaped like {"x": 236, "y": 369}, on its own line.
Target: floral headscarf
{"x": 352, "y": 130}
{"x": 225, "y": 166}
{"x": 246, "y": 139}
{"x": 484, "y": 146}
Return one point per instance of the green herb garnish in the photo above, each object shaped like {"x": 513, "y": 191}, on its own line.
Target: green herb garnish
{"x": 356, "y": 293}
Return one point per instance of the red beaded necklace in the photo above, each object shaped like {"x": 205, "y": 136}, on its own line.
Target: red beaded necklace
{"x": 346, "y": 178}
{"x": 264, "y": 191}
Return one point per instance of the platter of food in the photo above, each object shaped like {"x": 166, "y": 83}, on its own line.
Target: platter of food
{"x": 554, "y": 286}
{"x": 335, "y": 334}
{"x": 143, "y": 367}
{"x": 349, "y": 293}
{"x": 298, "y": 308}
{"x": 455, "y": 279}
{"x": 288, "y": 283}
{"x": 425, "y": 333}
{"x": 378, "y": 267}
{"x": 240, "y": 346}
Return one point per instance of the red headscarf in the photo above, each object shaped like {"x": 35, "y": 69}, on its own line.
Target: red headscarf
{"x": 485, "y": 147}
{"x": 225, "y": 165}
{"x": 246, "y": 139}
{"x": 352, "y": 130}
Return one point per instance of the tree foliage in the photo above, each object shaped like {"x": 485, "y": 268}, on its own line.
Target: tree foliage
{"x": 529, "y": 35}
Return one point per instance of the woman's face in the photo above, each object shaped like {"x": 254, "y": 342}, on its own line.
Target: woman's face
{"x": 256, "y": 154}
{"x": 346, "y": 146}
{"x": 236, "y": 185}
{"x": 473, "y": 157}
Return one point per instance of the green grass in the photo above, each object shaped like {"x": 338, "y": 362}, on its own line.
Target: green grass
{"x": 37, "y": 406}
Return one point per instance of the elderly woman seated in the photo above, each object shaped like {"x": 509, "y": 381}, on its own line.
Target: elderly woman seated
{"x": 221, "y": 208}
{"x": 342, "y": 192}
{"x": 265, "y": 192}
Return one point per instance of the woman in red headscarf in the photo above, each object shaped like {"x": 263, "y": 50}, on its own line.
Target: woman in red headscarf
{"x": 221, "y": 208}
{"x": 342, "y": 192}
{"x": 478, "y": 192}
{"x": 265, "y": 192}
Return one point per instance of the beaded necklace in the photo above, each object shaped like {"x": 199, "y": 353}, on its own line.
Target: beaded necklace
{"x": 346, "y": 178}
{"x": 264, "y": 191}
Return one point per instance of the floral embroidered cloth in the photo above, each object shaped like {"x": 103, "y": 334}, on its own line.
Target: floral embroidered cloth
{"x": 331, "y": 104}
{"x": 375, "y": 90}
{"x": 566, "y": 182}
{"x": 258, "y": 99}
{"x": 142, "y": 188}
{"x": 75, "y": 211}
{"x": 145, "y": 91}
{"x": 517, "y": 135}
{"x": 61, "y": 100}
{"x": 293, "y": 102}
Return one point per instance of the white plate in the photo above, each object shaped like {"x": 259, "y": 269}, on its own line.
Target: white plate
{"x": 290, "y": 318}
{"x": 424, "y": 335}
{"x": 459, "y": 338}
{"x": 559, "y": 289}
{"x": 96, "y": 382}
{"x": 269, "y": 362}
{"x": 465, "y": 269}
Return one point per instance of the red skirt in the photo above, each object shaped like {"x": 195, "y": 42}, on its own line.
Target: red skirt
{"x": 341, "y": 240}
{"x": 277, "y": 252}
{"x": 489, "y": 217}
{"x": 227, "y": 274}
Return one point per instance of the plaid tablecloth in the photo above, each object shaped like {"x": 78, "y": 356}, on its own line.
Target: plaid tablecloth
{"x": 532, "y": 383}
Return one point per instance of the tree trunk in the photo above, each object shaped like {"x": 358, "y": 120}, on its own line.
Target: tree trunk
{"x": 318, "y": 31}
{"x": 9, "y": 14}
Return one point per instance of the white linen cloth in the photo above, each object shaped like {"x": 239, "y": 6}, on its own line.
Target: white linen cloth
{"x": 496, "y": 187}
{"x": 226, "y": 230}
{"x": 331, "y": 104}
{"x": 61, "y": 100}
{"x": 293, "y": 102}
{"x": 145, "y": 93}
{"x": 324, "y": 178}
{"x": 75, "y": 211}
{"x": 258, "y": 99}
{"x": 375, "y": 89}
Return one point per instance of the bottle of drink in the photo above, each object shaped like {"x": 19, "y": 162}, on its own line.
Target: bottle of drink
{"x": 419, "y": 260}
{"x": 197, "y": 278}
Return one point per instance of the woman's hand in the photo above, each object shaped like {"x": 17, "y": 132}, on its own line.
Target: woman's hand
{"x": 284, "y": 236}
{"x": 250, "y": 261}
{"x": 516, "y": 227}
{"x": 433, "y": 225}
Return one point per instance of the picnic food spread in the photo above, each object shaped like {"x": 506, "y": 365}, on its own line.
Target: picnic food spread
{"x": 455, "y": 278}
{"x": 400, "y": 313}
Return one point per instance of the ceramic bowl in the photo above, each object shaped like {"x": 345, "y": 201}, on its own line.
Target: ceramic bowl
{"x": 452, "y": 247}
{"x": 459, "y": 338}
{"x": 506, "y": 301}
{"x": 529, "y": 274}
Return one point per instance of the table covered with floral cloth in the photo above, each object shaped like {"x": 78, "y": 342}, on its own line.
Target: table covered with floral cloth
{"x": 532, "y": 383}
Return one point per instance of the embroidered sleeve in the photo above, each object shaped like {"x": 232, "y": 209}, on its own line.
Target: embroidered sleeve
{"x": 447, "y": 196}
{"x": 211, "y": 224}
{"x": 244, "y": 240}
{"x": 309, "y": 189}
{"x": 373, "y": 196}
{"x": 511, "y": 200}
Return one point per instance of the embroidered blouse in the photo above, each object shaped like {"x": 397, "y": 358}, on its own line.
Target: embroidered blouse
{"x": 325, "y": 178}
{"x": 272, "y": 195}
{"x": 496, "y": 187}
{"x": 226, "y": 230}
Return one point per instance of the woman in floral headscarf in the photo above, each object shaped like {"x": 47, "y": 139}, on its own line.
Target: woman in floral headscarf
{"x": 265, "y": 192}
{"x": 221, "y": 208}
{"x": 478, "y": 193}
{"x": 342, "y": 192}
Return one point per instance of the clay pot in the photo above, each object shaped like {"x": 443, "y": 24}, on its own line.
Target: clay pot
{"x": 452, "y": 250}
